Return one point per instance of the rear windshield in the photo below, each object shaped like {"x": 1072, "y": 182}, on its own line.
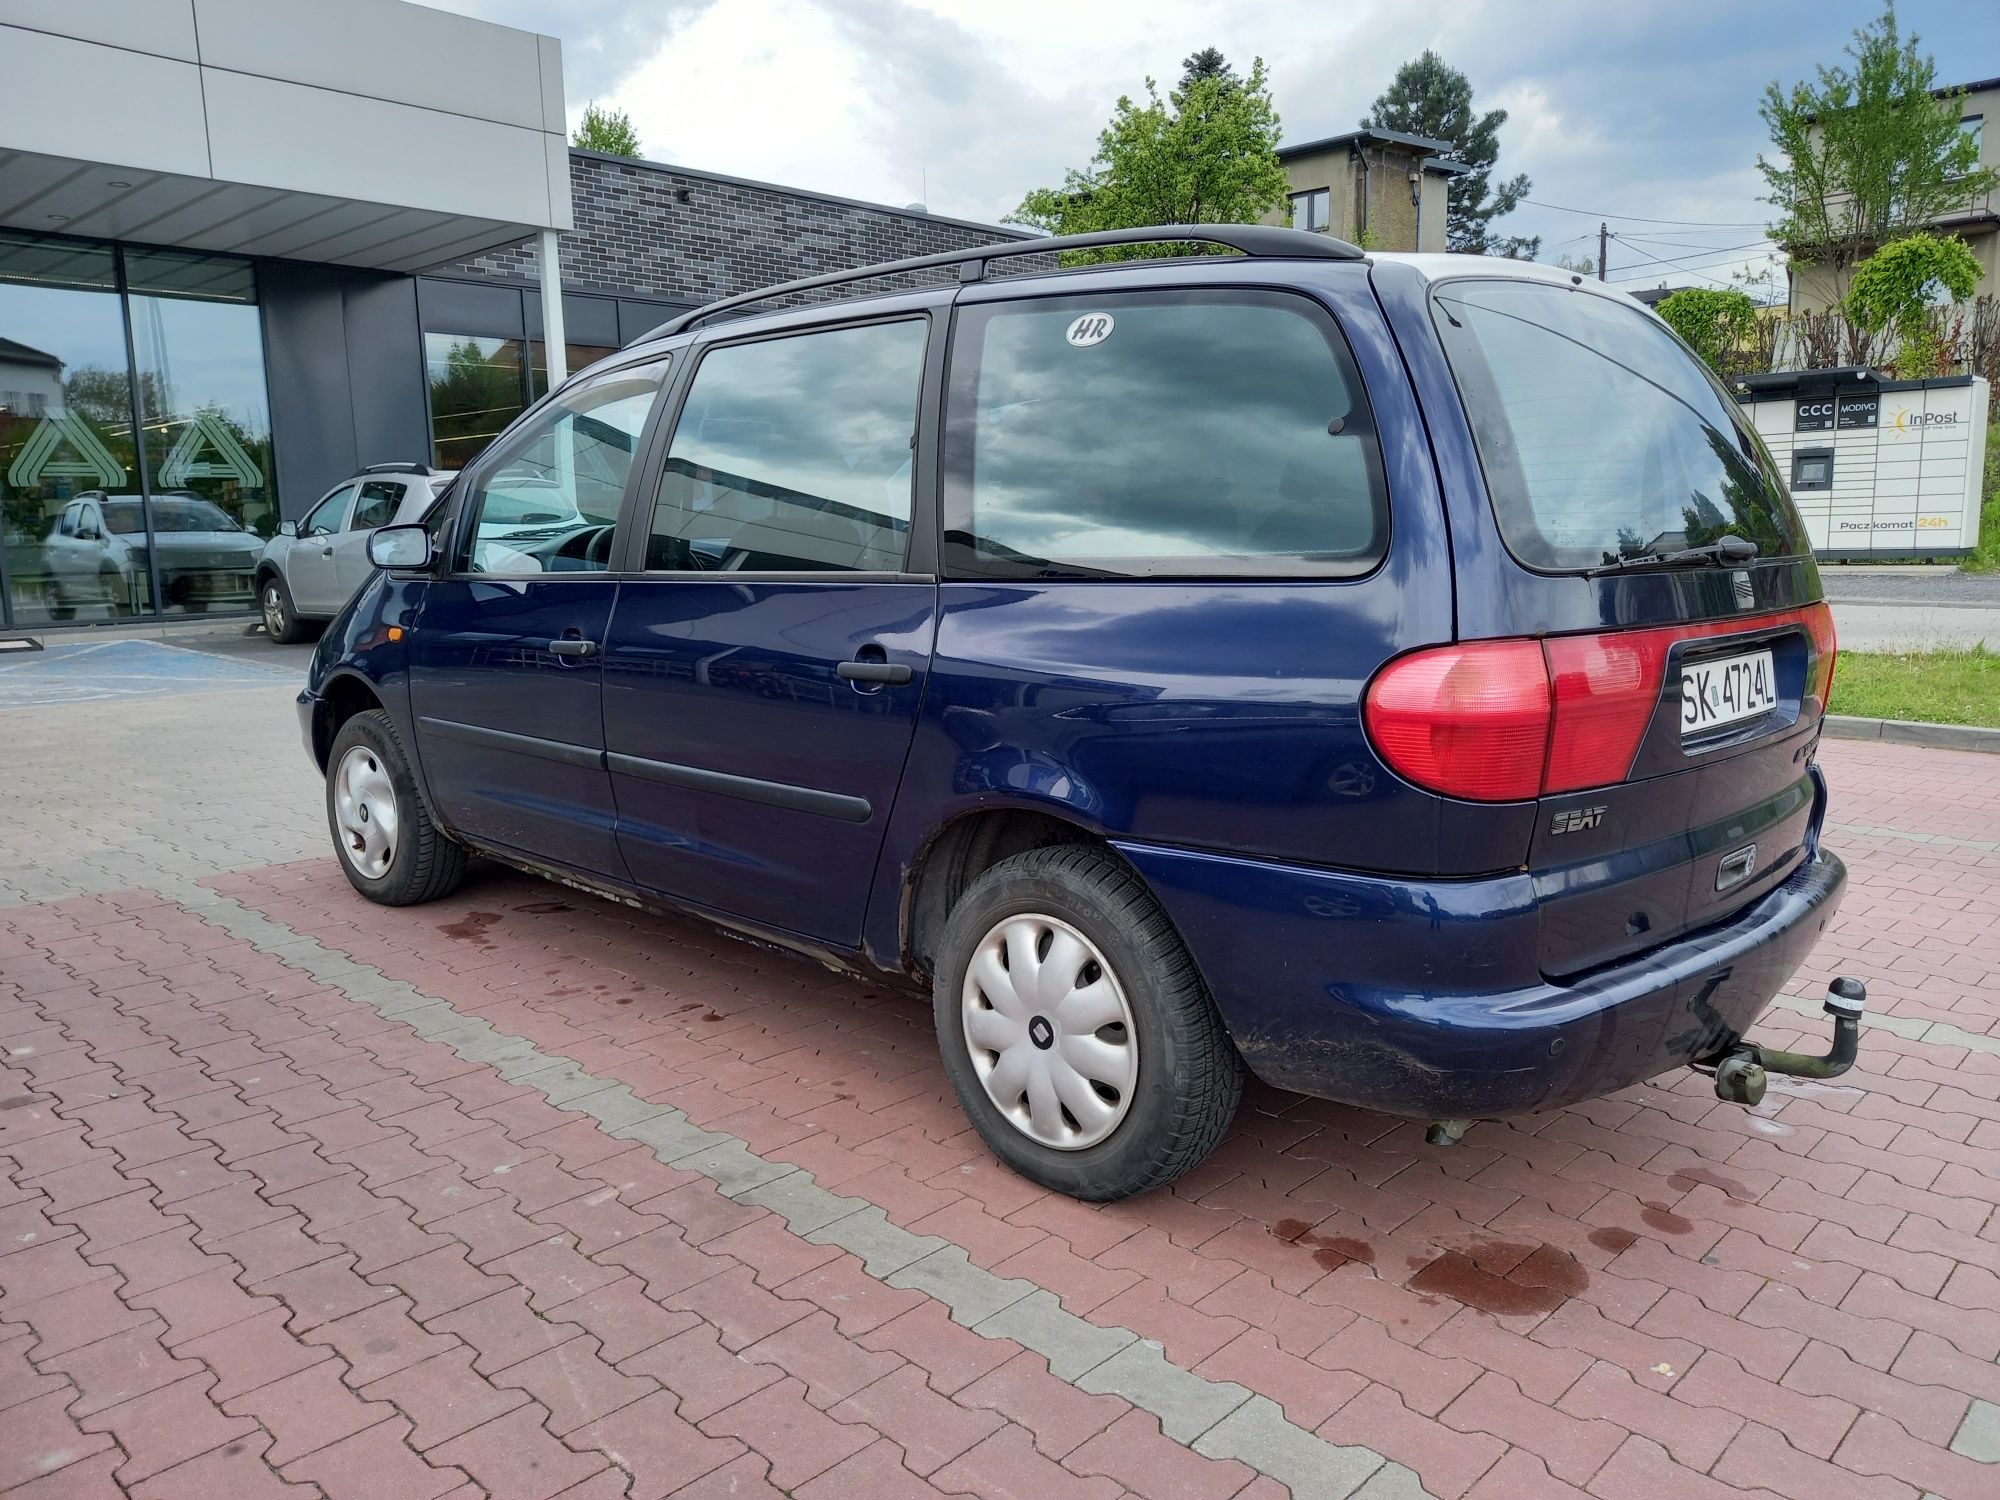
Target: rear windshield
{"x": 1602, "y": 437}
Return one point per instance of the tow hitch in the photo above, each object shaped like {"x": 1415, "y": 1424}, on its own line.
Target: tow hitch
{"x": 1740, "y": 1073}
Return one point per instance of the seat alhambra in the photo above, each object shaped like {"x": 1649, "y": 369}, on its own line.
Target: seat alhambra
{"x": 1398, "y": 677}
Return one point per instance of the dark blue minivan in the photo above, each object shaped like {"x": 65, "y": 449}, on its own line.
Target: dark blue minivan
{"x": 1399, "y": 676}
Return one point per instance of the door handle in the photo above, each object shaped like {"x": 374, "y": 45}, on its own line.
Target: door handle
{"x": 572, "y": 647}
{"x": 893, "y": 673}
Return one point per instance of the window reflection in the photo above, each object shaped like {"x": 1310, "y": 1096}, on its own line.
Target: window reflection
{"x": 580, "y": 356}
{"x": 66, "y": 438}
{"x": 794, "y": 454}
{"x": 477, "y": 388}
{"x": 80, "y": 542}
{"x": 1224, "y": 433}
{"x": 208, "y": 447}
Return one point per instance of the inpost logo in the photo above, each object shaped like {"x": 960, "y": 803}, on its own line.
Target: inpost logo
{"x": 1910, "y": 421}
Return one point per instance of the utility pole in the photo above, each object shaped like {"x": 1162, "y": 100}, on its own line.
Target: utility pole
{"x": 1603, "y": 242}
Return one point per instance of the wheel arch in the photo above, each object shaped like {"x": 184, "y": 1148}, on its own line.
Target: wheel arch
{"x": 344, "y": 695}
{"x": 965, "y": 847}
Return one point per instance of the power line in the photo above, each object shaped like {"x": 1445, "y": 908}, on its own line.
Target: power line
{"x": 1673, "y": 260}
{"x": 1674, "y": 242}
{"x": 1638, "y": 219}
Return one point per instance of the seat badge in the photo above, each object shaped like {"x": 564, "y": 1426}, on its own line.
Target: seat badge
{"x": 1574, "y": 819}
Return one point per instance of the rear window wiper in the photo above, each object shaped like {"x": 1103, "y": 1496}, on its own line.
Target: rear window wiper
{"x": 1725, "y": 552}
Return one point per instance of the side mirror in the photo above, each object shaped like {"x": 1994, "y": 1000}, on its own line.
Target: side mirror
{"x": 400, "y": 548}
{"x": 288, "y": 528}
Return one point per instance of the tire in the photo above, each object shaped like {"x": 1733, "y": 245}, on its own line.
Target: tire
{"x": 281, "y": 621}
{"x": 420, "y": 863}
{"x": 1187, "y": 1074}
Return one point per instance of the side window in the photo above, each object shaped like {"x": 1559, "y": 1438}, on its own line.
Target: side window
{"x": 547, "y": 499}
{"x": 378, "y": 502}
{"x": 1159, "y": 435}
{"x": 795, "y": 454}
{"x": 325, "y": 516}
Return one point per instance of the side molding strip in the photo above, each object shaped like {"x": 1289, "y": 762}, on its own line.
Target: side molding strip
{"x": 523, "y": 744}
{"x": 747, "y": 788}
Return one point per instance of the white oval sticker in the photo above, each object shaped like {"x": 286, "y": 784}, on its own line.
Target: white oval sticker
{"x": 1091, "y": 328}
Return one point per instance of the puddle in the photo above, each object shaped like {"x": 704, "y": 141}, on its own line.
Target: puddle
{"x": 471, "y": 928}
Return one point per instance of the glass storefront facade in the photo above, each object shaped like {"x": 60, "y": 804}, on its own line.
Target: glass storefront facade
{"x": 479, "y": 383}
{"x": 136, "y": 473}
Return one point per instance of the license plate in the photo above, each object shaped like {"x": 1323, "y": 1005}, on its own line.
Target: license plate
{"x": 1726, "y": 691}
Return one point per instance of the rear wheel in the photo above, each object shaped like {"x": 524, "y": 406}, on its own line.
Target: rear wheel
{"x": 1075, "y": 1029}
{"x": 389, "y": 848}
{"x": 281, "y": 621}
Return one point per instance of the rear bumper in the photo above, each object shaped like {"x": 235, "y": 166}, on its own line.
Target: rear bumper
{"x": 1426, "y": 999}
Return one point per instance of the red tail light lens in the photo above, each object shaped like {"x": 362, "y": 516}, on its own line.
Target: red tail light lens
{"x": 1507, "y": 721}
{"x": 1469, "y": 721}
{"x": 1818, "y": 621}
{"x": 1606, "y": 687}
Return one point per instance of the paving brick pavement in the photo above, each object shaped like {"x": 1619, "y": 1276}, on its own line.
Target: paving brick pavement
{"x": 528, "y": 1194}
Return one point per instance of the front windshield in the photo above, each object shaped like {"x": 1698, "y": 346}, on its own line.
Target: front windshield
{"x": 1601, "y": 436}
{"x": 190, "y": 515}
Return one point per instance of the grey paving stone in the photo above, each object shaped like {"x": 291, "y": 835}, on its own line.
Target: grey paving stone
{"x": 1258, "y": 1434}
{"x": 802, "y": 1203}
{"x": 1070, "y": 1344}
{"x": 884, "y": 1248}
{"x": 1186, "y": 1404}
{"x": 731, "y": 1165}
{"x": 1978, "y": 1435}
{"x": 971, "y": 1293}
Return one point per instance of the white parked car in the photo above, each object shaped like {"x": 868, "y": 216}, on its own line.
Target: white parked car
{"x": 311, "y": 568}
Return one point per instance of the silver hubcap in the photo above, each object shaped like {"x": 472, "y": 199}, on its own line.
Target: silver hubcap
{"x": 364, "y": 807}
{"x": 1050, "y": 1032}
{"x": 274, "y": 612}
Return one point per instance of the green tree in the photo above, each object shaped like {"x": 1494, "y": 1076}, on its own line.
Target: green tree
{"x": 1718, "y": 324}
{"x": 1207, "y": 63}
{"x": 1896, "y": 287}
{"x": 606, "y": 130}
{"x": 1431, "y": 98}
{"x": 1206, "y": 154}
{"x": 1866, "y": 151}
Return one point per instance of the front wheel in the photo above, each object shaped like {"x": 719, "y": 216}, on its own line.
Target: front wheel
{"x": 1076, "y": 1030}
{"x": 389, "y": 848}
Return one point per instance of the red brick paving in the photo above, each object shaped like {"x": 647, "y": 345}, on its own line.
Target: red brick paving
{"x": 256, "y": 1238}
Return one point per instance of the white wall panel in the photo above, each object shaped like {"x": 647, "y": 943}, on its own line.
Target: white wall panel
{"x": 317, "y": 141}
{"x": 54, "y": 99}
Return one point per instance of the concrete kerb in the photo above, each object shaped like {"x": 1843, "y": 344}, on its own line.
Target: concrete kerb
{"x": 1219, "y": 1419}
{"x": 1912, "y": 732}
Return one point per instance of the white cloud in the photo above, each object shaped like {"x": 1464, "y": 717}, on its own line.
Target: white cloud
{"x": 1641, "y": 108}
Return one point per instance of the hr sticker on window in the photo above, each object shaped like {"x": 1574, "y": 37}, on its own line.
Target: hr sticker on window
{"x": 1091, "y": 328}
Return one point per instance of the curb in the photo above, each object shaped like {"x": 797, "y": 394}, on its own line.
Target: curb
{"x": 1909, "y": 732}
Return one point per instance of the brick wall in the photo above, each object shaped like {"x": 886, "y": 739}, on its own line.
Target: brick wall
{"x": 635, "y": 236}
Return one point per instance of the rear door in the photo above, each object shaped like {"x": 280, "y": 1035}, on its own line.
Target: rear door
{"x": 1688, "y": 698}
{"x": 765, "y": 666}
{"x": 505, "y": 681}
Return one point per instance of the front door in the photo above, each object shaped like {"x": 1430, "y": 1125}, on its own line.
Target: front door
{"x": 763, "y": 676}
{"x": 506, "y": 686}
{"x": 309, "y": 565}
{"x": 375, "y": 506}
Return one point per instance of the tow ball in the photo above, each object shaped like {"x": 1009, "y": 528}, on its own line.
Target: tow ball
{"x": 1741, "y": 1073}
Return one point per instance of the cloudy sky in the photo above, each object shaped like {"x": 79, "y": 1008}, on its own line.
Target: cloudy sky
{"x": 1642, "y": 112}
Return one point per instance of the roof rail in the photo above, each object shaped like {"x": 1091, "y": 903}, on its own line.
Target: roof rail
{"x": 397, "y": 468}
{"x": 1260, "y": 241}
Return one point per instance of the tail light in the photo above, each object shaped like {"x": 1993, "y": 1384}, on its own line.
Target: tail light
{"x": 1511, "y": 720}
{"x": 1470, "y": 721}
{"x": 1818, "y": 621}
